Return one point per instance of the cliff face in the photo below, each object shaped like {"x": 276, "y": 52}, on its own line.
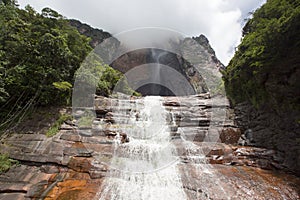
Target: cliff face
{"x": 193, "y": 56}
{"x": 261, "y": 80}
{"x": 97, "y": 36}
{"x": 153, "y": 62}
{"x": 202, "y": 40}
{"x": 153, "y": 57}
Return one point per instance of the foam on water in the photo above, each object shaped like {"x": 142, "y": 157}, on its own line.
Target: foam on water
{"x": 145, "y": 167}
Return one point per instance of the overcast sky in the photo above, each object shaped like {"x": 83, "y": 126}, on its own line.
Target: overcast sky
{"x": 219, "y": 20}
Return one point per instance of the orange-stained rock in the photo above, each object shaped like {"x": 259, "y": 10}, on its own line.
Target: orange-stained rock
{"x": 71, "y": 188}
{"x": 72, "y": 184}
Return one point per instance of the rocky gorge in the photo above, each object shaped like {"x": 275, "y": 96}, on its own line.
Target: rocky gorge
{"x": 73, "y": 164}
{"x": 180, "y": 139}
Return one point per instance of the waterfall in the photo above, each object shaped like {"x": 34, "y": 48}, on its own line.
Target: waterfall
{"x": 145, "y": 167}
{"x": 156, "y": 70}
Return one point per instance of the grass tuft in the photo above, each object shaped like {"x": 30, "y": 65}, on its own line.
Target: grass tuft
{"x": 6, "y": 163}
{"x": 53, "y": 130}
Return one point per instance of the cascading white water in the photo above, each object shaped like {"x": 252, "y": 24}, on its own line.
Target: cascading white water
{"x": 156, "y": 69}
{"x": 145, "y": 167}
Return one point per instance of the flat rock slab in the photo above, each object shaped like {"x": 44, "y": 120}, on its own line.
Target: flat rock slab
{"x": 203, "y": 181}
{"x": 47, "y": 182}
{"x": 24, "y": 181}
{"x": 60, "y": 167}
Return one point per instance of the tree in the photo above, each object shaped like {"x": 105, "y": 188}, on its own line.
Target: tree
{"x": 9, "y": 2}
{"x": 36, "y": 51}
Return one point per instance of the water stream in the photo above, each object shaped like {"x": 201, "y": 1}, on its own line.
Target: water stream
{"x": 157, "y": 71}
{"x": 145, "y": 168}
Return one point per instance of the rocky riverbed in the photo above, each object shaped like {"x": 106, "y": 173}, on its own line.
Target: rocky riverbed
{"x": 75, "y": 163}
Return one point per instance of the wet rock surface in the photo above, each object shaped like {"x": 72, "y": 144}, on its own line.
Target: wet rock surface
{"x": 237, "y": 183}
{"x": 74, "y": 163}
{"x": 271, "y": 129}
{"x": 60, "y": 167}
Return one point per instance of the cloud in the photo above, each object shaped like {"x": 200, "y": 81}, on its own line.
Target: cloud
{"x": 219, "y": 20}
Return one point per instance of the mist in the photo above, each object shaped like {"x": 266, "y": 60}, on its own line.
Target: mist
{"x": 221, "y": 21}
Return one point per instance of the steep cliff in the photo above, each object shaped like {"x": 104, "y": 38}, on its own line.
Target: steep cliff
{"x": 196, "y": 50}
{"x": 97, "y": 35}
{"x": 262, "y": 79}
{"x": 202, "y": 40}
{"x": 146, "y": 56}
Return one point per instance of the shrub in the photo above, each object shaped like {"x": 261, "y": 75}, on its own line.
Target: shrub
{"x": 53, "y": 130}
{"x": 6, "y": 163}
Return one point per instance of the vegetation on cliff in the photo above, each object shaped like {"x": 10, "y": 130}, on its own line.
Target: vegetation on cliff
{"x": 37, "y": 50}
{"x": 6, "y": 163}
{"x": 265, "y": 68}
{"x": 39, "y": 55}
{"x": 55, "y": 126}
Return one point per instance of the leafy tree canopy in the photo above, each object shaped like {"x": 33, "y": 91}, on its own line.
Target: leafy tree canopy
{"x": 39, "y": 54}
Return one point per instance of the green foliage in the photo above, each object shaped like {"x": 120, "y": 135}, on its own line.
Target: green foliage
{"x": 95, "y": 74}
{"x": 53, "y": 130}
{"x": 49, "y": 13}
{"x": 6, "y": 163}
{"x": 63, "y": 86}
{"x": 109, "y": 78}
{"x": 38, "y": 50}
{"x": 39, "y": 54}
{"x": 262, "y": 68}
{"x": 65, "y": 89}
{"x": 9, "y": 2}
